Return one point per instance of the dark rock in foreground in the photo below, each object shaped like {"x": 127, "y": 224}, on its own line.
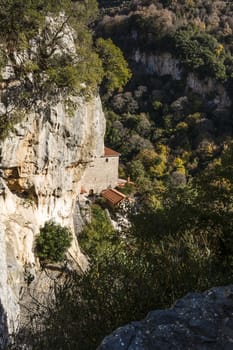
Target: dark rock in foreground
{"x": 198, "y": 321}
{"x": 3, "y": 328}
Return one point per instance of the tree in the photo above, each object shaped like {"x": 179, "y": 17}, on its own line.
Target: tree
{"x": 19, "y": 17}
{"x": 200, "y": 52}
{"x": 53, "y": 242}
{"x": 116, "y": 71}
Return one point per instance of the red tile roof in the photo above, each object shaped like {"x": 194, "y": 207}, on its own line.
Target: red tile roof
{"x": 108, "y": 152}
{"x": 113, "y": 196}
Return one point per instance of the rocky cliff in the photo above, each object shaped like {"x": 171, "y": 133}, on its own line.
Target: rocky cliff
{"x": 42, "y": 162}
{"x": 42, "y": 159}
{"x": 197, "y": 321}
{"x": 164, "y": 63}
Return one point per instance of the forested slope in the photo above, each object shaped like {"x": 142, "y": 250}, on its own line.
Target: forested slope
{"x": 172, "y": 123}
{"x": 175, "y": 114}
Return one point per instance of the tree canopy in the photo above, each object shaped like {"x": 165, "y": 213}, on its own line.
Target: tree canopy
{"x": 53, "y": 242}
{"x": 116, "y": 70}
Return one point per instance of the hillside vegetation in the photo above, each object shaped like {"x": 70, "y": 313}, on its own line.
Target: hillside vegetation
{"x": 47, "y": 53}
{"x": 175, "y": 144}
{"x": 169, "y": 126}
{"x": 184, "y": 245}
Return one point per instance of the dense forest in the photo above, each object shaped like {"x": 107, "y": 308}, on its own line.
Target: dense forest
{"x": 175, "y": 143}
{"x": 166, "y": 128}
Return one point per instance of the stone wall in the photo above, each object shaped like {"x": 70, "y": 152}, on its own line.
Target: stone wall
{"x": 101, "y": 174}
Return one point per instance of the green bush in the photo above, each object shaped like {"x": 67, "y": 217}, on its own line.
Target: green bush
{"x": 157, "y": 105}
{"x": 116, "y": 70}
{"x": 53, "y": 242}
{"x": 200, "y": 52}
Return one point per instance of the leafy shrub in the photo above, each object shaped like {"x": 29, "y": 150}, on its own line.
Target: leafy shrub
{"x": 53, "y": 242}
{"x": 157, "y": 105}
{"x": 116, "y": 71}
{"x": 128, "y": 189}
{"x": 200, "y": 52}
{"x": 98, "y": 236}
{"x": 182, "y": 126}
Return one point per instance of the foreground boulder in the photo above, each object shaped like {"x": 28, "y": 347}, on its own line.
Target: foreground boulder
{"x": 3, "y": 329}
{"x": 197, "y": 321}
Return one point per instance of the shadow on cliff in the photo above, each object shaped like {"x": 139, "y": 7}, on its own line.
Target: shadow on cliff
{"x": 3, "y": 328}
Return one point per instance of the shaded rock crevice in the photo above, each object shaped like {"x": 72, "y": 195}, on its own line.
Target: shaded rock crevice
{"x": 3, "y": 328}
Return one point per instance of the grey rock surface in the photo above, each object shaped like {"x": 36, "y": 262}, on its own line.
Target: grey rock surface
{"x": 165, "y": 64}
{"x": 200, "y": 321}
{"x": 43, "y": 158}
{"x": 42, "y": 161}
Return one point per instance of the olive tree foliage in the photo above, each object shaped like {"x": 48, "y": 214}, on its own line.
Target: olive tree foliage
{"x": 116, "y": 70}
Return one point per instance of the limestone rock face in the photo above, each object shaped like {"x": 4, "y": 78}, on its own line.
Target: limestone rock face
{"x": 42, "y": 159}
{"x": 42, "y": 162}
{"x": 208, "y": 86}
{"x": 198, "y": 321}
{"x": 165, "y": 64}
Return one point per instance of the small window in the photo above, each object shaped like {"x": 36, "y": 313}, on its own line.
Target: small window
{"x": 106, "y": 160}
